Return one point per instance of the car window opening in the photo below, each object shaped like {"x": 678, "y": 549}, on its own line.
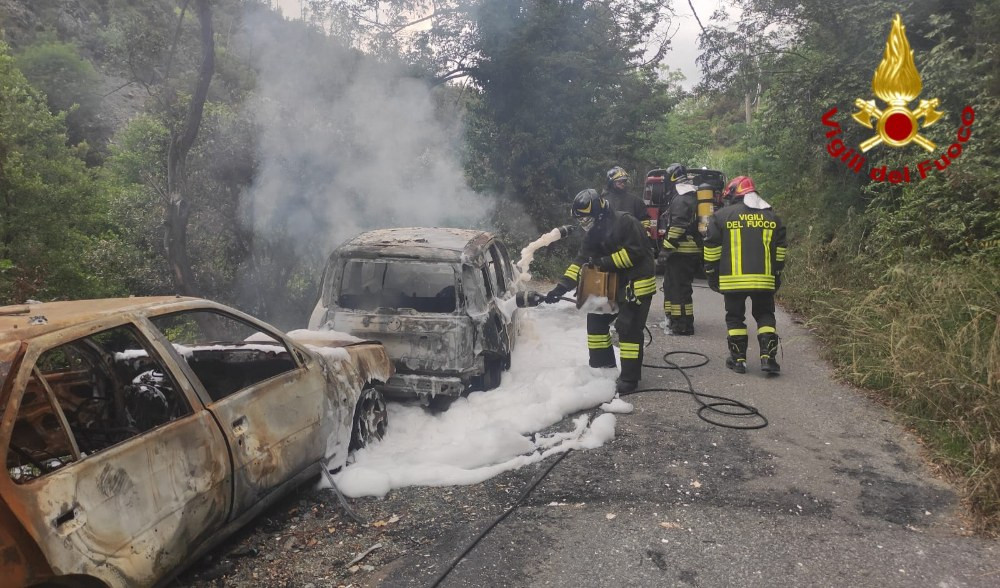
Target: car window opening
{"x": 423, "y": 287}
{"x": 107, "y": 388}
{"x": 226, "y": 354}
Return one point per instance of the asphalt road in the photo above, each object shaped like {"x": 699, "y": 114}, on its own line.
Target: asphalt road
{"x": 833, "y": 492}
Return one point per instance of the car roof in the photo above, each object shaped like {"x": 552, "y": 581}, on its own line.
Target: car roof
{"x": 422, "y": 243}
{"x": 25, "y": 321}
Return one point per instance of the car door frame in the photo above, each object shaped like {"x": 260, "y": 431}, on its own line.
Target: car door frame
{"x": 247, "y": 417}
{"x": 55, "y": 508}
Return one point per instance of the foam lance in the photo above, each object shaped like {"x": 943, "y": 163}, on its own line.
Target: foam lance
{"x": 529, "y": 298}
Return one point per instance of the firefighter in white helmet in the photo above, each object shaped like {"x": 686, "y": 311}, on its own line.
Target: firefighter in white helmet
{"x": 682, "y": 248}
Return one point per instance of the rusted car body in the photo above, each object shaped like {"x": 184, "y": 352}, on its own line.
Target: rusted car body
{"x": 437, "y": 298}
{"x": 139, "y": 432}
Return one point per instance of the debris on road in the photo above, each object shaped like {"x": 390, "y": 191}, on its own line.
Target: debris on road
{"x": 363, "y": 554}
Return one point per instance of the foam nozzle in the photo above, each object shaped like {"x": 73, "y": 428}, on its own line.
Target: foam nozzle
{"x": 566, "y": 230}
{"x": 528, "y": 299}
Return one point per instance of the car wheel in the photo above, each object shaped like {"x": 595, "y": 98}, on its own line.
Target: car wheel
{"x": 370, "y": 419}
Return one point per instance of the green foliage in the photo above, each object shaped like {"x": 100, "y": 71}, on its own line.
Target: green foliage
{"x": 132, "y": 247}
{"x": 70, "y": 84}
{"x": 561, "y": 101}
{"x": 49, "y": 202}
{"x": 927, "y": 337}
{"x": 694, "y": 133}
{"x": 954, "y": 212}
{"x": 901, "y": 279}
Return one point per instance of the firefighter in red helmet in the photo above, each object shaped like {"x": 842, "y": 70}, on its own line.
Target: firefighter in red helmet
{"x": 744, "y": 255}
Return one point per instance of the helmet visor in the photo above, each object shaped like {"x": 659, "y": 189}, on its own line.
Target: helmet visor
{"x": 586, "y": 222}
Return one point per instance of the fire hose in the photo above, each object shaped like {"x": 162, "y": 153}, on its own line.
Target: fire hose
{"x": 721, "y": 405}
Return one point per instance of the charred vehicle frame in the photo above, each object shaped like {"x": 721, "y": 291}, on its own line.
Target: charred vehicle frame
{"x": 140, "y": 432}
{"x": 435, "y": 297}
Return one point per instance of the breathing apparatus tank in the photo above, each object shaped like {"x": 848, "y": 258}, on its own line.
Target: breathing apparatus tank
{"x": 705, "y": 207}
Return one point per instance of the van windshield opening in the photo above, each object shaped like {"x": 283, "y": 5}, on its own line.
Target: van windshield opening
{"x": 424, "y": 287}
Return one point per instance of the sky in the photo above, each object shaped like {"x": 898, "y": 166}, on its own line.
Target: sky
{"x": 684, "y": 45}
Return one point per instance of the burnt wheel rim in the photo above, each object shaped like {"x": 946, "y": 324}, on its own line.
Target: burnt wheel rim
{"x": 369, "y": 418}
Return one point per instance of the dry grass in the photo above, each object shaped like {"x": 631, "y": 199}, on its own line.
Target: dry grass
{"x": 926, "y": 338}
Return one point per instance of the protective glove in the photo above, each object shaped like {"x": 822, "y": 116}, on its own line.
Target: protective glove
{"x": 777, "y": 281}
{"x": 555, "y": 294}
{"x": 713, "y": 278}
{"x": 604, "y": 264}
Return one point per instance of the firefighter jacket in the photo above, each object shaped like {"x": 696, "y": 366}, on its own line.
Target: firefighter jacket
{"x": 618, "y": 244}
{"x": 746, "y": 247}
{"x": 681, "y": 222}
{"x": 624, "y": 202}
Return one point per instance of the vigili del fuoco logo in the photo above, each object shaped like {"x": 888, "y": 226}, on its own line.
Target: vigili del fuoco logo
{"x": 897, "y": 83}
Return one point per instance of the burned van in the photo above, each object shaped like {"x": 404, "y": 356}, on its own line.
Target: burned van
{"x": 436, "y": 298}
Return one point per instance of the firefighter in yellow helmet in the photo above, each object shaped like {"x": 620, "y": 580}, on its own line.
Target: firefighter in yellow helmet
{"x": 744, "y": 255}
{"x": 615, "y": 242}
{"x": 682, "y": 248}
{"x": 617, "y": 194}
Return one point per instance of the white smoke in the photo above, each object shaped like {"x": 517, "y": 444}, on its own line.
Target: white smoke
{"x": 347, "y": 144}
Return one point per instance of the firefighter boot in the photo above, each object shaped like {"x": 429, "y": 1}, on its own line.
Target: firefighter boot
{"x": 737, "y": 360}
{"x": 768, "y": 352}
{"x": 623, "y": 387}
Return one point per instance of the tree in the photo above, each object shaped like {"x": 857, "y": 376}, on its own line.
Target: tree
{"x": 178, "y": 206}
{"x": 157, "y": 62}
{"x": 442, "y": 39}
{"x": 70, "y": 84}
{"x": 49, "y": 203}
{"x": 564, "y": 92}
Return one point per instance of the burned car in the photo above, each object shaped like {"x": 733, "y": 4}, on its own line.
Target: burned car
{"x": 139, "y": 432}
{"x": 435, "y": 297}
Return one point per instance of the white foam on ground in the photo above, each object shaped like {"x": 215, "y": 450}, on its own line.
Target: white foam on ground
{"x": 618, "y": 406}
{"x": 487, "y": 433}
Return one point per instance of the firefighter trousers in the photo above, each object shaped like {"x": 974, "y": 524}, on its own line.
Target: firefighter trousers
{"x": 677, "y": 300}
{"x": 629, "y": 322}
{"x": 762, "y": 309}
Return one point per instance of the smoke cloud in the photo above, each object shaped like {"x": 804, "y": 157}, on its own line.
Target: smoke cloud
{"x": 347, "y": 144}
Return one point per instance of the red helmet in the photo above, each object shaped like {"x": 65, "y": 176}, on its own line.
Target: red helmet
{"x": 739, "y": 187}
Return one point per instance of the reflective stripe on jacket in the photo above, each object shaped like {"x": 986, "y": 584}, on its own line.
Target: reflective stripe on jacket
{"x": 617, "y": 243}
{"x": 681, "y": 223}
{"x": 746, "y": 246}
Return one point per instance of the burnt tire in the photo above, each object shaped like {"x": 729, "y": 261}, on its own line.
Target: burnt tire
{"x": 494, "y": 370}
{"x": 371, "y": 418}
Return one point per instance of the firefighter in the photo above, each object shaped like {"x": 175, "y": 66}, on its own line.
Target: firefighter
{"x": 617, "y": 195}
{"x": 744, "y": 256}
{"x": 614, "y": 242}
{"x": 682, "y": 246}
